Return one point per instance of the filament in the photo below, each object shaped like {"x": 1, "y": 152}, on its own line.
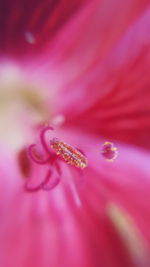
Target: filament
{"x": 42, "y": 138}
{"x": 41, "y": 185}
{"x": 52, "y": 185}
{"x": 33, "y": 156}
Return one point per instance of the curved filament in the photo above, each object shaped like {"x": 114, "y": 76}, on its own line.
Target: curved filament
{"x": 42, "y": 138}
{"x": 58, "y": 168}
{"x": 52, "y": 185}
{"x": 55, "y": 181}
{"x": 33, "y": 156}
{"x": 41, "y": 185}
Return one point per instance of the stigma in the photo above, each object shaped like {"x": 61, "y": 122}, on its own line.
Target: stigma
{"x": 69, "y": 154}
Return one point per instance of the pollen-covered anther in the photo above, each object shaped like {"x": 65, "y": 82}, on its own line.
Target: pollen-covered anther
{"x": 53, "y": 152}
{"x": 109, "y": 151}
{"x": 69, "y": 154}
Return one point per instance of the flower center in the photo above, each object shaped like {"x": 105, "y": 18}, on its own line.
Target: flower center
{"x": 21, "y": 106}
{"x": 55, "y": 151}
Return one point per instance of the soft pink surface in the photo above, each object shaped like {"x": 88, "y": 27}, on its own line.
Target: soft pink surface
{"x": 91, "y": 61}
{"x": 69, "y": 226}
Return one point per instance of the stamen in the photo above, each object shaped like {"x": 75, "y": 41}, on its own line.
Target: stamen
{"x": 41, "y": 185}
{"x": 109, "y": 151}
{"x": 34, "y": 156}
{"x": 69, "y": 154}
{"x": 51, "y": 185}
{"x": 42, "y": 138}
{"x": 58, "y": 169}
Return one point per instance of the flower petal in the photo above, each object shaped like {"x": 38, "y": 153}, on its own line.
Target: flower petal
{"x": 63, "y": 232}
{"x": 116, "y": 91}
{"x": 28, "y": 26}
{"x": 75, "y": 56}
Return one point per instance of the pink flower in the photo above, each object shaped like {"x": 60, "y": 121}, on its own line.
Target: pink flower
{"x": 83, "y": 68}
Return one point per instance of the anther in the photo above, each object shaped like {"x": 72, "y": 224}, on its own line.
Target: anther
{"x": 109, "y": 151}
{"x": 68, "y": 153}
{"x": 57, "y": 149}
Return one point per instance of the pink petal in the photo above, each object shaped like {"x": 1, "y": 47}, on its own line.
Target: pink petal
{"x": 28, "y": 26}
{"x": 115, "y": 92}
{"x": 74, "y": 59}
{"x": 91, "y": 34}
{"x": 71, "y": 226}
{"x": 72, "y": 68}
